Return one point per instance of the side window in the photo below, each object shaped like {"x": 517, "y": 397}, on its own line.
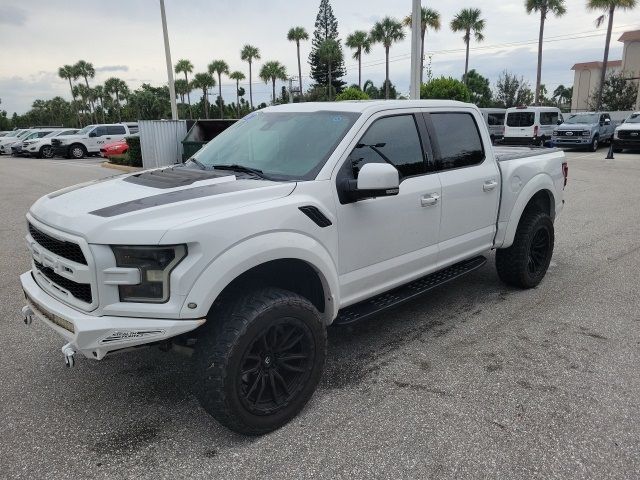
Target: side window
{"x": 495, "y": 119}
{"x": 392, "y": 140}
{"x": 458, "y": 140}
{"x": 100, "y": 131}
{"x": 116, "y": 130}
{"x": 42, "y": 134}
{"x": 548, "y": 118}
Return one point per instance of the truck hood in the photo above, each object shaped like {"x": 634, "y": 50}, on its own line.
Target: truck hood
{"x": 628, "y": 126}
{"x": 576, "y": 126}
{"x": 140, "y": 208}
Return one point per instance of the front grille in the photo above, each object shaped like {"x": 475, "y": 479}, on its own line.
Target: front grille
{"x": 574, "y": 133}
{"x": 629, "y": 134}
{"x": 81, "y": 291}
{"x": 70, "y": 251}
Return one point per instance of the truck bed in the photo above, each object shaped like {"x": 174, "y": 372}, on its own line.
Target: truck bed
{"x": 513, "y": 153}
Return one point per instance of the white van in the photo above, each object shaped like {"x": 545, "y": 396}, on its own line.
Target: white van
{"x": 494, "y": 118}
{"x": 530, "y": 125}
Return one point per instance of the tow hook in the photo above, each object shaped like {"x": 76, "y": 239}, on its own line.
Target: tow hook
{"x": 69, "y": 355}
{"x": 27, "y": 315}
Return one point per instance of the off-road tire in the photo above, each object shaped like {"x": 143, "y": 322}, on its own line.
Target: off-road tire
{"x": 229, "y": 335}
{"x": 595, "y": 143}
{"x": 513, "y": 263}
{"x": 77, "y": 151}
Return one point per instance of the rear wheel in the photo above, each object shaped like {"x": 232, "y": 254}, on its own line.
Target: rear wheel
{"x": 524, "y": 264}
{"x": 260, "y": 359}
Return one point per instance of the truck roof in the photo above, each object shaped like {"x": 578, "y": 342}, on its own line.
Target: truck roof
{"x": 361, "y": 106}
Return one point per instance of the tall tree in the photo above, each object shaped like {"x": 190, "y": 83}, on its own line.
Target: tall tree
{"x": 204, "y": 81}
{"x": 273, "y": 71}
{"x": 249, "y": 53}
{"x": 387, "y": 32}
{"x": 430, "y": 18}
{"x": 185, "y": 66}
{"x": 609, "y": 7}
{"x": 98, "y": 94}
{"x": 512, "y": 91}
{"x": 120, "y": 91}
{"x": 86, "y": 70}
{"x": 296, "y": 34}
{"x": 544, "y": 7}
{"x": 326, "y": 27}
{"x": 219, "y": 67}
{"x": 330, "y": 52}
{"x": 468, "y": 20}
{"x": 68, "y": 72}
{"x": 479, "y": 89}
{"x": 361, "y": 43}
{"x": 238, "y": 77}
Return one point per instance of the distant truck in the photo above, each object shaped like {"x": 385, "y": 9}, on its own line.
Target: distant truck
{"x": 584, "y": 130}
{"x": 627, "y": 135}
{"x": 90, "y": 139}
{"x": 494, "y": 118}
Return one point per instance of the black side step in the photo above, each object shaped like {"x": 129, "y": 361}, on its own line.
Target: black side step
{"x": 406, "y": 292}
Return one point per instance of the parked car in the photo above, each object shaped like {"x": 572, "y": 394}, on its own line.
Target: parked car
{"x": 584, "y": 129}
{"x": 627, "y": 135}
{"x": 90, "y": 139}
{"x": 113, "y": 149}
{"x": 11, "y": 138}
{"x": 41, "y": 147}
{"x": 299, "y": 216}
{"x": 35, "y": 135}
{"x": 531, "y": 125}
{"x": 494, "y": 118}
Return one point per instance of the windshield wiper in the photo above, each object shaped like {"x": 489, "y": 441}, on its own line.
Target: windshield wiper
{"x": 240, "y": 168}
{"x": 198, "y": 163}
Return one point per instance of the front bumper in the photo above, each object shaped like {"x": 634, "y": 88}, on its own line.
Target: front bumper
{"x": 95, "y": 336}
{"x": 626, "y": 143}
{"x": 564, "y": 141}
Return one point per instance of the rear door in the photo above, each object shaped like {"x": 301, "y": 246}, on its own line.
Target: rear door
{"x": 470, "y": 182}
{"x": 520, "y": 124}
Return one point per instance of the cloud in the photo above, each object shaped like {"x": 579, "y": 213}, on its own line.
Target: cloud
{"x": 113, "y": 68}
{"x": 13, "y": 16}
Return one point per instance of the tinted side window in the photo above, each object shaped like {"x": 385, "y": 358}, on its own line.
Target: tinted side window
{"x": 548, "y": 118}
{"x": 116, "y": 130}
{"x": 393, "y": 139}
{"x": 100, "y": 131}
{"x": 458, "y": 139}
{"x": 520, "y": 119}
{"x": 495, "y": 119}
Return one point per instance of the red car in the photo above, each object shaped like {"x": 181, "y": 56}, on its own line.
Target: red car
{"x": 113, "y": 149}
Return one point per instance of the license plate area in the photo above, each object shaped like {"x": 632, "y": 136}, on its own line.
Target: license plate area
{"x": 55, "y": 319}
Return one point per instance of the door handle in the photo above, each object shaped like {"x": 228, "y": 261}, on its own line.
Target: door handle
{"x": 489, "y": 185}
{"x": 429, "y": 200}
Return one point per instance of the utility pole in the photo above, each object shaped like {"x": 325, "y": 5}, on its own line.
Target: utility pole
{"x": 167, "y": 52}
{"x": 416, "y": 61}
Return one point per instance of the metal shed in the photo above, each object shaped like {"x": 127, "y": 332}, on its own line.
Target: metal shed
{"x": 161, "y": 142}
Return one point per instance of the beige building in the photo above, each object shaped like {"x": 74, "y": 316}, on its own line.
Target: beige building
{"x": 587, "y": 75}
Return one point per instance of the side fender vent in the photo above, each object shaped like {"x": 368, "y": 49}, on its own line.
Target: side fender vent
{"x": 316, "y": 215}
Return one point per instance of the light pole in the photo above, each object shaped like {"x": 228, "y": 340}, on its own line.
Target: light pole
{"x": 167, "y": 53}
{"x": 416, "y": 61}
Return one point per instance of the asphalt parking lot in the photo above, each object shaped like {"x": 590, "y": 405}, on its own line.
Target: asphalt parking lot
{"x": 476, "y": 380}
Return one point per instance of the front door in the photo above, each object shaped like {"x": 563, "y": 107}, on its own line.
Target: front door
{"x": 384, "y": 242}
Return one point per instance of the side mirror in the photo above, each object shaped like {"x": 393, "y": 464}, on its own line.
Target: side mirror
{"x": 374, "y": 180}
{"x": 607, "y": 121}
{"x": 559, "y": 122}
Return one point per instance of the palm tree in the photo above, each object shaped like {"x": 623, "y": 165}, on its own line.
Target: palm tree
{"x": 181, "y": 88}
{"x": 219, "y": 67}
{"x": 329, "y": 52}
{"x": 430, "y": 19}
{"x": 185, "y": 66}
{"x": 468, "y": 20}
{"x": 237, "y": 76}
{"x": 204, "y": 81}
{"x": 556, "y": 7}
{"x": 68, "y": 72}
{"x": 249, "y": 53}
{"x": 295, "y": 35}
{"x": 86, "y": 70}
{"x": 360, "y": 42}
{"x": 609, "y": 6}
{"x": 98, "y": 94}
{"x": 120, "y": 91}
{"x": 273, "y": 71}
{"x": 387, "y": 31}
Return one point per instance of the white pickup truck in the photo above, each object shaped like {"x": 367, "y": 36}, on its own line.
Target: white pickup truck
{"x": 90, "y": 139}
{"x": 297, "y": 217}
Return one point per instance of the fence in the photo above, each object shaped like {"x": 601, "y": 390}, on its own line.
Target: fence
{"x": 161, "y": 142}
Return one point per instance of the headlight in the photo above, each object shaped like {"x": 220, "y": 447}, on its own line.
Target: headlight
{"x": 615, "y": 134}
{"x": 586, "y": 133}
{"x": 155, "y": 265}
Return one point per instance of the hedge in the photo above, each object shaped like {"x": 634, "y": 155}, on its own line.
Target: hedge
{"x": 135, "y": 152}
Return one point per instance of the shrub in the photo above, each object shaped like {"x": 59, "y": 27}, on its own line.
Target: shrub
{"x": 135, "y": 152}
{"x": 352, "y": 93}
{"x": 445, "y": 88}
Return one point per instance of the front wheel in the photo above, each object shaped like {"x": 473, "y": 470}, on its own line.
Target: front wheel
{"x": 524, "y": 264}
{"x": 46, "y": 151}
{"x": 259, "y": 360}
{"x": 594, "y": 144}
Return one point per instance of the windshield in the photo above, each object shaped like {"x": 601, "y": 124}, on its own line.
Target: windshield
{"x": 589, "y": 118}
{"x": 86, "y": 130}
{"x": 633, "y": 118}
{"x": 31, "y": 136}
{"x": 282, "y": 145}
{"x": 23, "y": 134}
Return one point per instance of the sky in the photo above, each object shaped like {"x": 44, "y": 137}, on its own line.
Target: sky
{"x": 123, "y": 38}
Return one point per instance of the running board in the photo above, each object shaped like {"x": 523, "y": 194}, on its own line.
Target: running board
{"x": 392, "y": 298}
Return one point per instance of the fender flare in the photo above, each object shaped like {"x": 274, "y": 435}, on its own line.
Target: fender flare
{"x": 255, "y": 251}
{"x": 540, "y": 182}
